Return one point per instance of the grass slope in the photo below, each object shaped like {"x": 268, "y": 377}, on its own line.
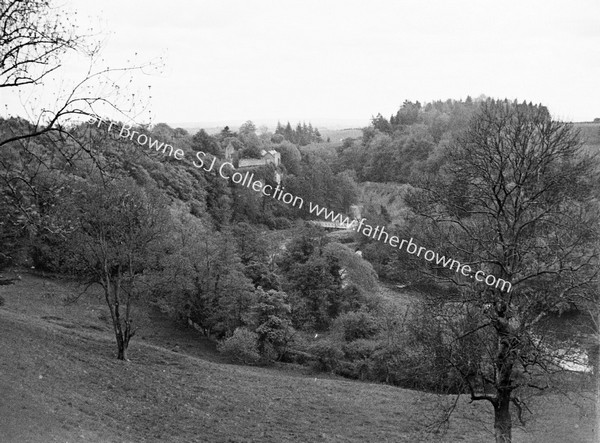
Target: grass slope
{"x": 59, "y": 382}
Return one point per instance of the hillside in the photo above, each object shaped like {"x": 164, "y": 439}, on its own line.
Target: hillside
{"x": 60, "y": 382}
{"x": 590, "y": 133}
{"x": 390, "y": 195}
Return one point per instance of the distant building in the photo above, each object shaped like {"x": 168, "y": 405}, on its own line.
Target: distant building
{"x": 267, "y": 157}
{"x": 229, "y": 151}
{"x": 251, "y": 163}
{"x": 272, "y": 157}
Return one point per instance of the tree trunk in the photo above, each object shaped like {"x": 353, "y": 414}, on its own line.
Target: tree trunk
{"x": 502, "y": 418}
{"x": 504, "y": 365}
{"x": 121, "y": 336}
{"x": 122, "y": 349}
{"x": 127, "y": 334}
{"x": 122, "y": 341}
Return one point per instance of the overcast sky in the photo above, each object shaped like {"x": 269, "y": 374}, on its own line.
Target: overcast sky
{"x": 230, "y": 61}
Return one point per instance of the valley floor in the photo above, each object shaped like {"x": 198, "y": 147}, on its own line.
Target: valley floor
{"x": 59, "y": 382}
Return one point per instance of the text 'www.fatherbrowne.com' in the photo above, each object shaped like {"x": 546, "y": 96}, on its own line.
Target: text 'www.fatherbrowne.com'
{"x": 379, "y": 233}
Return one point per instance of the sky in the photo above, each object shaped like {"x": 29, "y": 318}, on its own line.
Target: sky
{"x": 341, "y": 62}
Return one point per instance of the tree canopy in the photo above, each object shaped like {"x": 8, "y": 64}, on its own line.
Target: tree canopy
{"x": 516, "y": 197}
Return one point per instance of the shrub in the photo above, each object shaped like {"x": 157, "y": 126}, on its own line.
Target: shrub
{"x": 299, "y": 351}
{"x": 388, "y": 366}
{"x": 197, "y": 209}
{"x": 355, "y": 325}
{"x": 277, "y": 138}
{"x": 328, "y": 355}
{"x": 280, "y": 223}
{"x": 274, "y": 336}
{"x": 1, "y": 301}
{"x": 241, "y": 347}
{"x": 361, "y": 349}
{"x": 359, "y": 369}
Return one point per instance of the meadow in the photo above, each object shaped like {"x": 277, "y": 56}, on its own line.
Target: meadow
{"x": 60, "y": 383}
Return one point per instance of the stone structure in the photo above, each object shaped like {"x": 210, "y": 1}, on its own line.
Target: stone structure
{"x": 229, "y": 151}
{"x": 267, "y": 157}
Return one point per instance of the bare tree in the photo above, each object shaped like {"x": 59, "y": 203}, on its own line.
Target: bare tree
{"x": 517, "y": 200}
{"x": 117, "y": 230}
{"x": 35, "y": 38}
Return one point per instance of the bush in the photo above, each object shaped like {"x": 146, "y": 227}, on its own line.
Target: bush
{"x": 241, "y": 347}
{"x": 1, "y": 301}
{"x": 197, "y": 209}
{"x": 277, "y": 138}
{"x": 280, "y": 223}
{"x": 359, "y": 369}
{"x": 328, "y": 355}
{"x": 356, "y": 325}
{"x": 361, "y": 349}
{"x": 299, "y": 350}
{"x": 389, "y": 367}
{"x": 274, "y": 336}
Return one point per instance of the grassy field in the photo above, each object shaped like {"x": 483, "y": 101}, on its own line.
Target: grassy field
{"x": 590, "y": 133}
{"x": 59, "y": 382}
{"x": 337, "y": 135}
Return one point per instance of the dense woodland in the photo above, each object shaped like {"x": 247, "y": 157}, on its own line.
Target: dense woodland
{"x": 251, "y": 273}
{"x": 202, "y": 245}
{"x": 498, "y": 184}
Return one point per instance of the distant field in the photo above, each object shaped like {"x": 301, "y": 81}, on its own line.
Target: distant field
{"x": 59, "y": 382}
{"x": 326, "y": 150}
{"x": 337, "y": 135}
{"x": 591, "y": 135}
